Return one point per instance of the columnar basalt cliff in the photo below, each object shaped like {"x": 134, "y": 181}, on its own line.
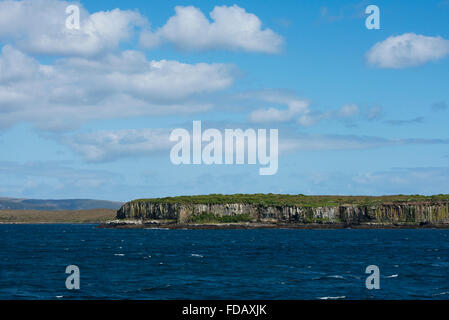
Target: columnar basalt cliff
{"x": 357, "y": 211}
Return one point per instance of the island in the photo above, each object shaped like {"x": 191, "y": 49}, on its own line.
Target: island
{"x": 284, "y": 211}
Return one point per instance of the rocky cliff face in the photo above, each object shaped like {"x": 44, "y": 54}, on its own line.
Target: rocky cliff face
{"x": 388, "y": 213}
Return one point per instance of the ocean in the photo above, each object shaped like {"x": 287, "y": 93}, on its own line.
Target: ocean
{"x": 221, "y": 264}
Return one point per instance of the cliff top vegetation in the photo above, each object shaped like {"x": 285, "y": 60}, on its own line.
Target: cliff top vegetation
{"x": 271, "y": 199}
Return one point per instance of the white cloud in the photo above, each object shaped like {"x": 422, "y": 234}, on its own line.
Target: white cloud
{"x": 56, "y": 179}
{"x": 104, "y": 146}
{"x": 407, "y": 50}
{"x": 348, "y": 111}
{"x": 272, "y": 115}
{"x": 294, "y": 105}
{"x": 345, "y": 142}
{"x": 422, "y": 180}
{"x": 232, "y": 29}
{"x": 345, "y": 112}
{"x": 53, "y": 171}
{"x": 296, "y": 109}
{"x": 111, "y": 145}
{"x": 38, "y": 26}
{"x": 73, "y": 90}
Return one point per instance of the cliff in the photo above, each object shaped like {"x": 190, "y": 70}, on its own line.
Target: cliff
{"x": 290, "y": 209}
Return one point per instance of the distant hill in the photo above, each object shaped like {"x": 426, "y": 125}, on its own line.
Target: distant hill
{"x": 54, "y": 205}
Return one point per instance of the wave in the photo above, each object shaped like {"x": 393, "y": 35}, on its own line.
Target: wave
{"x": 161, "y": 287}
{"x": 330, "y": 277}
{"x": 441, "y": 293}
{"x": 332, "y": 298}
{"x": 336, "y": 277}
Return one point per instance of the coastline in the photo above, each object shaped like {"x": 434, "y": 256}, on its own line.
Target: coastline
{"x": 250, "y": 226}
{"x": 235, "y": 226}
{"x": 52, "y": 222}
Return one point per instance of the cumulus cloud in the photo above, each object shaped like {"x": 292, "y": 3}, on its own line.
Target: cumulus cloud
{"x": 73, "y": 90}
{"x": 38, "y": 26}
{"x": 232, "y": 28}
{"x": 407, "y": 50}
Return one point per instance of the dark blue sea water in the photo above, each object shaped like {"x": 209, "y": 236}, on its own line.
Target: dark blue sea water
{"x": 221, "y": 264}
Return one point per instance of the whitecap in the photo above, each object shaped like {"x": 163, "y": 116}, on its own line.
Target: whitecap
{"x": 392, "y": 276}
{"x": 332, "y": 298}
{"x": 119, "y": 254}
{"x": 336, "y": 277}
{"x": 440, "y": 294}
{"x": 196, "y": 255}
{"x": 328, "y": 277}
{"x": 59, "y": 297}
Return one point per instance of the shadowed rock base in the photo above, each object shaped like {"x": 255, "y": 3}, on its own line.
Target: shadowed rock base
{"x": 255, "y": 225}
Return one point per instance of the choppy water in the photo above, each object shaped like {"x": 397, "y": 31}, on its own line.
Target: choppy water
{"x": 221, "y": 264}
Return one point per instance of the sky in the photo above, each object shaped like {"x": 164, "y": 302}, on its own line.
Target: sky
{"x": 86, "y": 113}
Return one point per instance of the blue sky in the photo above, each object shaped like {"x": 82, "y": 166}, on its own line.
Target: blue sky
{"x": 86, "y": 113}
